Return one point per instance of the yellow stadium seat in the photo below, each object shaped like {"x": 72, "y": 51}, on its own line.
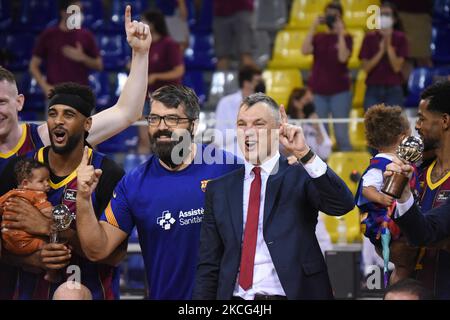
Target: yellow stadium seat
{"x": 356, "y": 130}
{"x": 358, "y": 36}
{"x": 304, "y": 12}
{"x": 352, "y": 222}
{"x": 287, "y": 52}
{"x": 344, "y": 164}
{"x": 279, "y": 83}
{"x": 355, "y": 12}
{"x": 359, "y": 90}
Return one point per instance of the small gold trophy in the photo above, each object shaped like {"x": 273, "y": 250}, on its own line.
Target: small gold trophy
{"x": 410, "y": 150}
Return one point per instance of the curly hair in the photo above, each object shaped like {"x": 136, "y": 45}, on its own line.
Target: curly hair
{"x": 23, "y": 169}
{"x": 384, "y": 125}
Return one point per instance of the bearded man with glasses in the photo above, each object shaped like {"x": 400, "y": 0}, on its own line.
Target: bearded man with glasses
{"x": 163, "y": 198}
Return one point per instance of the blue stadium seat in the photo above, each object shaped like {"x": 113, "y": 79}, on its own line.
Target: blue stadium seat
{"x": 113, "y": 51}
{"x": 34, "y": 96}
{"x": 92, "y": 14}
{"x": 18, "y": 48}
{"x": 441, "y": 11}
{"x": 118, "y": 9}
{"x": 132, "y": 161}
{"x": 99, "y": 82}
{"x": 36, "y": 15}
{"x": 200, "y": 20}
{"x": 194, "y": 79}
{"x": 440, "y": 43}
{"x": 200, "y": 54}
{"x": 5, "y": 14}
{"x": 28, "y": 116}
{"x": 135, "y": 277}
{"x": 127, "y": 140}
{"x": 419, "y": 79}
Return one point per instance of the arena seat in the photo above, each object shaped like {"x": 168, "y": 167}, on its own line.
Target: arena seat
{"x": 99, "y": 82}
{"x": 352, "y": 222}
{"x": 304, "y": 12}
{"x": 194, "y": 80}
{"x": 34, "y": 96}
{"x": 200, "y": 21}
{"x": 131, "y": 161}
{"x": 113, "y": 51}
{"x": 441, "y": 11}
{"x": 355, "y": 12}
{"x": 118, "y": 9}
{"x": 359, "y": 90}
{"x": 36, "y": 15}
{"x": 18, "y": 48}
{"x": 5, "y": 14}
{"x": 93, "y": 14}
{"x": 280, "y": 82}
{"x": 440, "y": 43}
{"x": 349, "y": 166}
{"x": 356, "y": 130}
{"x": 418, "y": 80}
{"x": 287, "y": 51}
{"x": 200, "y": 54}
{"x": 357, "y": 36}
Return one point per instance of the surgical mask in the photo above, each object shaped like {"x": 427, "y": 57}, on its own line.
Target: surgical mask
{"x": 260, "y": 87}
{"x": 386, "y": 22}
{"x": 330, "y": 20}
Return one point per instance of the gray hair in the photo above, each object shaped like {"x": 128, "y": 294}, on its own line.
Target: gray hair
{"x": 258, "y": 97}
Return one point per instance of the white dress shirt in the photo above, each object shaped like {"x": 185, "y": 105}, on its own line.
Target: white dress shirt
{"x": 265, "y": 277}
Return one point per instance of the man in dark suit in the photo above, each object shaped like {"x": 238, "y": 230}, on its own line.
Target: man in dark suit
{"x": 258, "y": 232}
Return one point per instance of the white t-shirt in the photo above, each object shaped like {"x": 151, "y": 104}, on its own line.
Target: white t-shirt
{"x": 374, "y": 177}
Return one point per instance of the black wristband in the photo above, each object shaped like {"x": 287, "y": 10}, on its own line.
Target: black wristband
{"x": 307, "y": 157}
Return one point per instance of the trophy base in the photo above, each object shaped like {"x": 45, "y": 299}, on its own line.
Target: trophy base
{"x": 395, "y": 185}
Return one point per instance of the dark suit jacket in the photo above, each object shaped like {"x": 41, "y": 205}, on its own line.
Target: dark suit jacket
{"x": 291, "y": 207}
{"x": 425, "y": 229}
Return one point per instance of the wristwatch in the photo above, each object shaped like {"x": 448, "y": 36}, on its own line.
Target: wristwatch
{"x": 307, "y": 157}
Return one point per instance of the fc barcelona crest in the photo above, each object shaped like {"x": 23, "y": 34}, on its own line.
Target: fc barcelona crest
{"x": 204, "y": 183}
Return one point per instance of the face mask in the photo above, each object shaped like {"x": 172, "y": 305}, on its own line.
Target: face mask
{"x": 309, "y": 109}
{"x": 386, "y": 22}
{"x": 260, "y": 87}
{"x": 330, "y": 20}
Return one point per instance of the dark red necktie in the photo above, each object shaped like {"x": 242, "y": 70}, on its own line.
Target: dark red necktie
{"x": 250, "y": 233}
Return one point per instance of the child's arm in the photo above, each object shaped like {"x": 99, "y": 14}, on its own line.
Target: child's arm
{"x": 371, "y": 194}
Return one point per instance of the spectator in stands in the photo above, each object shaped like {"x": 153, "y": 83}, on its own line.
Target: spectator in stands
{"x": 416, "y": 20}
{"x": 176, "y": 15}
{"x": 383, "y": 53}
{"x": 68, "y": 53}
{"x": 250, "y": 81}
{"x": 166, "y": 65}
{"x": 407, "y": 289}
{"x": 232, "y": 24}
{"x": 301, "y": 106}
{"x": 329, "y": 80}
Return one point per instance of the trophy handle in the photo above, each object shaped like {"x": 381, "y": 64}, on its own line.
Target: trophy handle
{"x": 395, "y": 184}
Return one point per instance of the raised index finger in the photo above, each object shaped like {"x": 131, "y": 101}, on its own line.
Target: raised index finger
{"x": 85, "y": 159}
{"x": 284, "y": 117}
{"x": 127, "y": 15}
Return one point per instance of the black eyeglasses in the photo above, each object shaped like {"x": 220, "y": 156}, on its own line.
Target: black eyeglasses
{"x": 170, "y": 120}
